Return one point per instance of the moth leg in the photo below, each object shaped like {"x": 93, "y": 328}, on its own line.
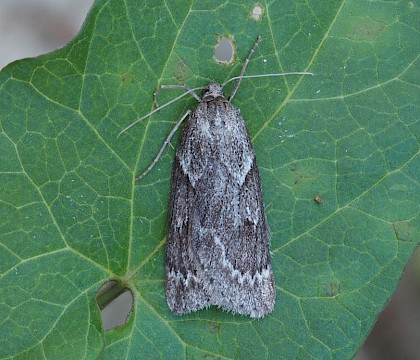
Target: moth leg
{"x": 183, "y": 87}
{"x": 168, "y": 139}
{"x": 235, "y": 89}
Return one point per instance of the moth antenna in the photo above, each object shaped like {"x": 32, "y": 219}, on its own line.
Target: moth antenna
{"x": 268, "y": 75}
{"x": 183, "y": 87}
{"x": 158, "y": 109}
{"x": 242, "y": 76}
{"x": 235, "y": 89}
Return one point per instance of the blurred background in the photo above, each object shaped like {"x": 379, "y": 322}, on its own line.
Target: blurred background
{"x": 32, "y": 27}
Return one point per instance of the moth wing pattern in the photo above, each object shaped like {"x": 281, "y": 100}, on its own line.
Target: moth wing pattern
{"x": 185, "y": 291}
{"x": 218, "y": 239}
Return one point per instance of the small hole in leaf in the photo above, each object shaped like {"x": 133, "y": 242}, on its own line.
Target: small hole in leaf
{"x": 115, "y": 302}
{"x": 257, "y": 12}
{"x": 224, "y": 51}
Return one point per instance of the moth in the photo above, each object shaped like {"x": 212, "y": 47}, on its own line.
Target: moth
{"x": 218, "y": 241}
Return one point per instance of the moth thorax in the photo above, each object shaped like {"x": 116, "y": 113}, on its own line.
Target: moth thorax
{"x": 213, "y": 91}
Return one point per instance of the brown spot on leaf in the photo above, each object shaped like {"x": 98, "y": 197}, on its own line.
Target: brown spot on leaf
{"x": 181, "y": 71}
{"x": 318, "y": 199}
{"x": 257, "y": 12}
{"x": 365, "y": 29}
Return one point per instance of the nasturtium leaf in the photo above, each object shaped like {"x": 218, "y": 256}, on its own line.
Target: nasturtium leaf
{"x": 72, "y": 215}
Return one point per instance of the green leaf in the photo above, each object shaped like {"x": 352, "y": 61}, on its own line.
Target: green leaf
{"x": 73, "y": 216}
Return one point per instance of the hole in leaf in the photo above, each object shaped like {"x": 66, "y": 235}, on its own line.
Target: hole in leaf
{"x": 257, "y": 12}
{"x": 115, "y": 302}
{"x": 224, "y": 51}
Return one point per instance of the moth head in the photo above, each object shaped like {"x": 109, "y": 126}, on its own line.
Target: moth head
{"x": 212, "y": 91}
